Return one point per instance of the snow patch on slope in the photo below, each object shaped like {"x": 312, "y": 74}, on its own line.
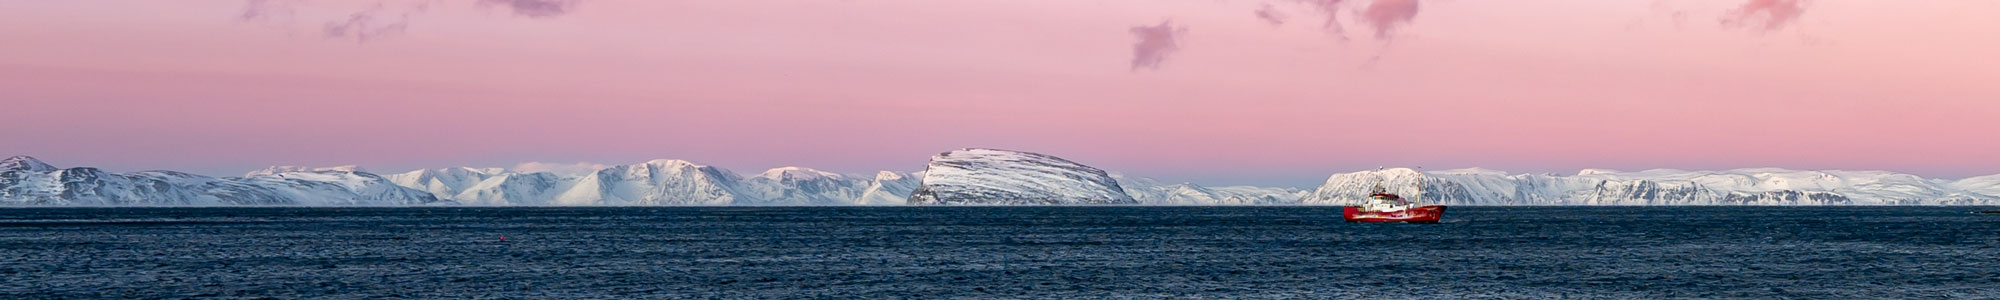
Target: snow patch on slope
{"x": 24, "y": 163}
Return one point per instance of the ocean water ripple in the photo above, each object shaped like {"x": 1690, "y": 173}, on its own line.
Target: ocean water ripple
{"x": 997, "y": 252}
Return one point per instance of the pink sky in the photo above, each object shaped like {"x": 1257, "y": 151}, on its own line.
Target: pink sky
{"x": 1228, "y": 92}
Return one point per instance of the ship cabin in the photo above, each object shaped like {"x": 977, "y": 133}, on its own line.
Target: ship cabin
{"x": 1390, "y": 198}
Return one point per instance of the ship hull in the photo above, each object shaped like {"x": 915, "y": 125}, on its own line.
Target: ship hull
{"x": 1424, "y": 214}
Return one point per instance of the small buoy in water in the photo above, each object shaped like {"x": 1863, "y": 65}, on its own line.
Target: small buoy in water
{"x": 503, "y": 238}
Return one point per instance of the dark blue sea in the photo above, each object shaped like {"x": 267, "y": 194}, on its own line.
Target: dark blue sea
{"x": 997, "y": 252}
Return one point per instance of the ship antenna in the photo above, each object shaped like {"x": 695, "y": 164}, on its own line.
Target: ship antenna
{"x": 1378, "y": 184}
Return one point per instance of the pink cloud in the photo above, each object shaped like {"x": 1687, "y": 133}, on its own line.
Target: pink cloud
{"x": 1765, "y": 14}
{"x": 1155, "y": 43}
{"x": 1387, "y": 15}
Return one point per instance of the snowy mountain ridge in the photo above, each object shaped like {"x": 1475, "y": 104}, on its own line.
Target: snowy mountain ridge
{"x": 27, "y": 181}
{"x": 967, "y": 176}
{"x": 1151, "y": 192}
{"x": 1757, "y": 186}
{"x": 662, "y": 182}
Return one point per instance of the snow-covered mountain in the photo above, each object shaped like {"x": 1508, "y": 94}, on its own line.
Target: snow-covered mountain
{"x": 970, "y": 176}
{"x": 444, "y": 183}
{"x": 653, "y": 183}
{"x": 1983, "y": 185}
{"x": 890, "y": 188}
{"x": 1151, "y": 192}
{"x": 509, "y": 189}
{"x": 1001, "y": 177}
{"x": 803, "y": 186}
{"x": 658, "y": 182}
{"x": 1661, "y": 187}
{"x": 335, "y": 186}
{"x": 27, "y": 181}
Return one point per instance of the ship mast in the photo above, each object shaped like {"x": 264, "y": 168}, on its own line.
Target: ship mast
{"x": 1375, "y": 190}
{"x": 1419, "y": 197}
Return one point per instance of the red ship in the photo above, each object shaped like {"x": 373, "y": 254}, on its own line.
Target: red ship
{"x": 1383, "y": 207}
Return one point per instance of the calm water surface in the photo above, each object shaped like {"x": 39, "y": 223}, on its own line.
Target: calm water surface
{"x": 997, "y": 252}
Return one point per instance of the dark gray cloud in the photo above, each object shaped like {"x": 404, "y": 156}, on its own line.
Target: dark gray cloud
{"x": 1765, "y": 14}
{"x": 1155, "y": 44}
{"x": 535, "y": 8}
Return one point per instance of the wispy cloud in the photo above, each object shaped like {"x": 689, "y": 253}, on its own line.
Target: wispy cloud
{"x": 366, "y": 25}
{"x": 1387, "y": 15}
{"x": 1331, "y": 9}
{"x": 365, "y": 21}
{"x": 535, "y": 8}
{"x": 1155, "y": 44}
{"x": 1271, "y": 14}
{"x": 1765, "y": 14}
{"x": 268, "y": 10}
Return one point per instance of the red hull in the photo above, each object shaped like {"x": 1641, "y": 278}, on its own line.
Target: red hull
{"x": 1425, "y": 214}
